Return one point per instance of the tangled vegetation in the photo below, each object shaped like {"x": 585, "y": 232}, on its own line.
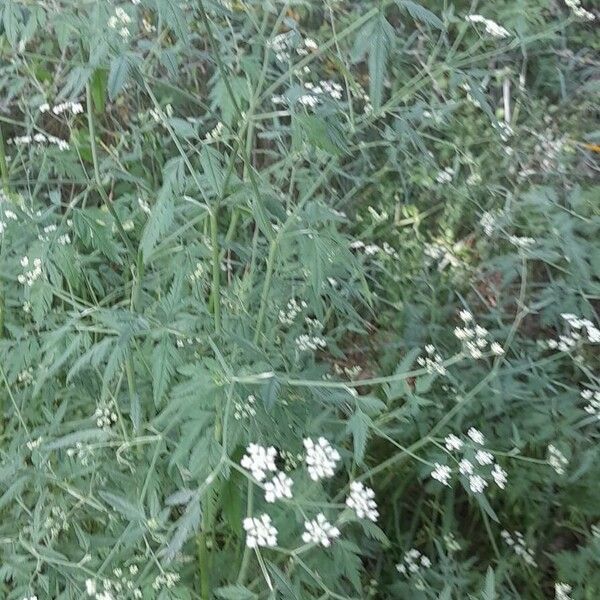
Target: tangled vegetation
{"x": 299, "y": 299}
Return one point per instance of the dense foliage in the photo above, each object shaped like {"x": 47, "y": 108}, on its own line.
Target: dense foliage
{"x": 299, "y": 299}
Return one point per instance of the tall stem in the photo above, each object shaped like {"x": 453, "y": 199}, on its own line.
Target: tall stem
{"x": 216, "y": 270}
{"x": 265, "y": 290}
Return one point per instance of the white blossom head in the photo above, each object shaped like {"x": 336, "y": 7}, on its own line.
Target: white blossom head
{"x": 260, "y": 532}
{"x": 259, "y": 460}
{"x": 279, "y": 487}
{"x": 362, "y": 501}
{"x": 321, "y": 458}
{"x": 320, "y": 531}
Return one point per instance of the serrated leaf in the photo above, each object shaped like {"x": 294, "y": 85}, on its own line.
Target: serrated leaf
{"x": 235, "y": 592}
{"x": 160, "y": 219}
{"x": 489, "y": 590}
{"x": 122, "y": 505}
{"x": 382, "y": 37}
{"x": 420, "y": 13}
{"x": 170, "y": 11}
{"x": 117, "y": 75}
{"x": 358, "y": 426}
{"x": 163, "y": 367}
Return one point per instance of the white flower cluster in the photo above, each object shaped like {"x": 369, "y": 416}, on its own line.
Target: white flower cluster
{"x": 412, "y": 563}
{"x": 113, "y": 589}
{"x": 562, "y": 591}
{"x": 372, "y": 249}
{"x": 352, "y": 372}
{"x": 472, "y": 458}
{"x": 279, "y": 487}
{"x": 580, "y": 330}
{"x": 313, "y": 93}
{"x": 33, "y": 444}
{"x": 320, "y": 531}
{"x": 245, "y": 410}
{"x": 520, "y": 548}
{"x": 39, "y": 138}
{"x": 321, "y": 458}
{"x": 445, "y": 176}
{"x": 593, "y": 402}
{"x": 197, "y": 273}
{"x": 474, "y": 337}
{"x": 119, "y": 21}
{"x": 293, "y": 308}
{"x": 579, "y": 11}
{"x": 74, "y": 108}
{"x": 282, "y": 46}
{"x": 306, "y": 343}
{"x": 215, "y": 134}
{"x": 442, "y": 473}
{"x": 259, "y": 460}
{"x": 362, "y": 501}
{"x": 105, "y": 417}
{"x": 491, "y": 27}
{"x": 7, "y": 215}
{"x": 432, "y": 361}
{"x": 165, "y": 581}
{"x": 28, "y": 277}
{"x": 491, "y": 221}
{"x": 557, "y": 460}
{"x": 521, "y": 242}
{"x": 436, "y": 253}
{"x": 260, "y": 532}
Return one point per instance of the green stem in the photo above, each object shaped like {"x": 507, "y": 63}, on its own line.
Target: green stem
{"x": 216, "y": 270}
{"x": 246, "y": 556}
{"x": 98, "y": 180}
{"x": 265, "y": 290}
{"x": 3, "y": 165}
{"x": 203, "y": 562}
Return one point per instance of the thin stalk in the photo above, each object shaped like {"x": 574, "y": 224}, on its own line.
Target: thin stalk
{"x": 216, "y": 270}
{"x": 98, "y": 180}
{"x": 203, "y": 562}
{"x": 3, "y": 165}
{"x": 265, "y": 290}
{"x": 246, "y": 556}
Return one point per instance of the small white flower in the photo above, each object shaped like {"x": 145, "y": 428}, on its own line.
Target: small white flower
{"x": 483, "y": 457}
{"x": 497, "y": 349}
{"x": 556, "y": 459}
{"x": 362, "y": 501}
{"x": 321, "y": 458}
{"x": 279, "y": 487}
{"x": 441, "y": 473}
{"x": 259, "y": 460}
{"x": 562, "y": 591}
{"x": 477, "y": 484}
{"x": 320, "y": 531}
{"x": 499, "y": 475}
{"x": 260, "y": 532}
{"x": 453, "y": 442}
{"x": 465, "y": 467}
{"x": 476, "y": 436}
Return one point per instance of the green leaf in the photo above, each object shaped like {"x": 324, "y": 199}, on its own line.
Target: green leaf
{"x": 158, "y": 222}
{"x": 117, "y": 76}
{"x": 382, "y": 38}
{"x": 170, "y": 11}
{"x": 163, "y": 366}
{"x": 98, "y": 85}
{"x": 489, "y": 590}
{"x": 235, "y": 592}
{"x": 123, "y": 506}
{"x": 420, "y": 13}
{"x": 358, "y": 426}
